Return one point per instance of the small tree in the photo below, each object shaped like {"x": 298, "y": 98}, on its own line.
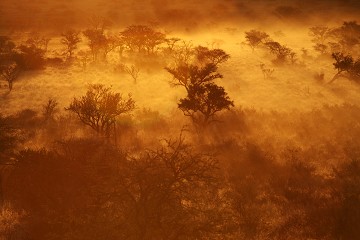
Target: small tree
{"x": 254, "y": 38}
{"x": 346, "y": 67}
{"x": 203, "y": 102}
{"x": 267, "y": 72}
{"x": 10, "y": 74}
{"x": 50, "y": 109}
{"x": 97, "y": 41}
{"x": 70, "y": 39}
{"x": 99, "y": 107}
{"x": 139, "y": 38}
{"x": 282, "y": 53}
{"x": 133, "y": 71}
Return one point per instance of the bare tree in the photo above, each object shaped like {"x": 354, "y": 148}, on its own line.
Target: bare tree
{"x": 133, "y": 71}
{"x": 267, "y": 72}
{"x": 50, "y": 109}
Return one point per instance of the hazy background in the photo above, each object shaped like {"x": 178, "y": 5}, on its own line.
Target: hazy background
{"x": 46, "y": 14}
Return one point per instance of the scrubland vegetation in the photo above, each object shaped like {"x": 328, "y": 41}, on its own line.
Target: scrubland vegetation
{"x": 146, "y": 132}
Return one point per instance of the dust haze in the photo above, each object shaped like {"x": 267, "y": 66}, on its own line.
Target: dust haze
{"x": 158, "y": 119}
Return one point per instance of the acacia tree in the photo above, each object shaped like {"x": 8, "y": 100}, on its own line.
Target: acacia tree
{"x": 203, "y": 102}
{"x": 140, "y": 38}
{"x": 70, "y": 39}
{"x": 99, "y": 107}
{"x": 189, "y": 74}
{"x": 204, "y": 98}
{"x": 346, "y": 67}
{"x": 282, "y": 53}
{"x": 254, "y": 38}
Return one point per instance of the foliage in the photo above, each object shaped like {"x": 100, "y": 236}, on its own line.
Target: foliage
{"x": 347, "y": 36}
{"x": 31, "y": 56}
{"x": 99, "y": 107}
{"x": 255, "y": 38}
{"x": 346, "y": 64}
{"x": 283, "y": 54}
{"x": 142, "y": 39}
{"x": 206, "y": 99}
{"x": 70, "y": 39}
{"x": 188, "y": 74}
{"x": 211, "y": 56}
{"x": 97, "y": 41}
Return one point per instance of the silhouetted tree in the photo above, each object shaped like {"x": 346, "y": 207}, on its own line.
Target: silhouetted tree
{"x": 50, "y": 109}
{"x": 166, "y": 193}
{"x": 203, "y": 101}
{"x": 70, "y": 39}
{"x": 133, "y": 71}
{"x": 188, "y": 74}
{"x": 100, "y": 107}
{"x": 281, "y": 52}
{"x": 213, "y": 56}
{"x": 204, "y": 98}
{"x": 97, "y": 41}
{"x": 254, "y": 38}
{"x": 346, "y": 67}
{"x": 32, "y": 54}
{"x": 10, "y": 73}
{"x": 140, "y": 38}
